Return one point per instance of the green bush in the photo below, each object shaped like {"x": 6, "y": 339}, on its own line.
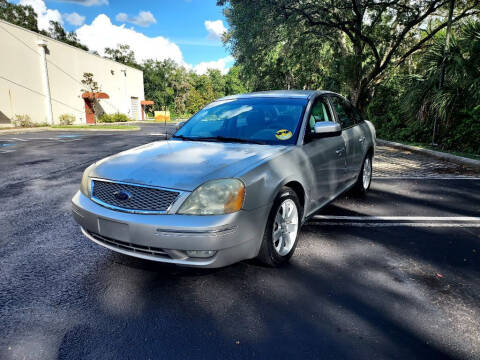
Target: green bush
{"x": 464, "y": 134}
{"x": 113, "y": 118}
{"x": 66, "y": 119}
{"x": 22, "y": 121}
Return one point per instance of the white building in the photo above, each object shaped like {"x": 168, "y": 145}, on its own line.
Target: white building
{"x": 41, "y": 77}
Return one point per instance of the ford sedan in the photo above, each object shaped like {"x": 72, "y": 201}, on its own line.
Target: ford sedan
{"x": 235, "y": 182}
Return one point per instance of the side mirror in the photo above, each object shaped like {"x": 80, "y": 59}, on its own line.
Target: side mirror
{"x": 327, "y": 128}
{"x": 180, "y": 124}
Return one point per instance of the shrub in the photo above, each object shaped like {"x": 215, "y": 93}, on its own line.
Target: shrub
{"x": 22, "y": 121}
{"x": 66, "y": 119}
{"x": 113, "y": 118}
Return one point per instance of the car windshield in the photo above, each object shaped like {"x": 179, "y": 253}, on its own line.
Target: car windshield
{"x": 250, "y": 120}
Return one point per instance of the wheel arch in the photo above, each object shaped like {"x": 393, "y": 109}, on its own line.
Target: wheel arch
{"x": 297, "y": 187}
{"x": 370, "y": 152}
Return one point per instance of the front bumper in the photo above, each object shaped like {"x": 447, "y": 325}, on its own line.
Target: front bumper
{"x": 166, "y": 238}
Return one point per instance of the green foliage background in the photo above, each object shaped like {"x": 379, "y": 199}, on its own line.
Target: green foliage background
{"x": 386, "y": 56}
{"x": 407, "y": 102}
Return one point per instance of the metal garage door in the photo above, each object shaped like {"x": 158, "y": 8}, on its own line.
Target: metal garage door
{"x": 135, "y": 109}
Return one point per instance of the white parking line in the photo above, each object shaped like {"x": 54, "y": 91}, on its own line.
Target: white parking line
{"x": 396, "y": 221}
{"x": 397, "y": 218}
{"x": 453, "y": 177}
{"x": 394, "y": 224}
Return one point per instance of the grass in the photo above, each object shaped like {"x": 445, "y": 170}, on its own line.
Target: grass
{"x": 97, "y": 126}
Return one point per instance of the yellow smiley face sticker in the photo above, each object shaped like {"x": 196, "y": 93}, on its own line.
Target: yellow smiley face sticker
{"x": 283, "y": 134}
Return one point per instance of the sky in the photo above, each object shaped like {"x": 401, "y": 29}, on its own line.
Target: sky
{"x": 187, "y": 31}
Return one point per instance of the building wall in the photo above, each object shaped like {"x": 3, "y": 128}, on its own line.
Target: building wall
{"x": 21, "y": 83}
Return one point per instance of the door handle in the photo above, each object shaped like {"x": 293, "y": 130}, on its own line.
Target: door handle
{"x": 340, "y": 151}
{"x": 362, "y": 139}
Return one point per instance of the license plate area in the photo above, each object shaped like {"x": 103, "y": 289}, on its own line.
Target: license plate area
{"x": 114, "y": 229}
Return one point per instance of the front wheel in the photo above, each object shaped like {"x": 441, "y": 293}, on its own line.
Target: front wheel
{"x": 281, "y": 233}
{"x": 365, "y": 177}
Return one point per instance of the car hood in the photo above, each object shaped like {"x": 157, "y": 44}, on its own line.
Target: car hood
{"x": 182, "y": 165}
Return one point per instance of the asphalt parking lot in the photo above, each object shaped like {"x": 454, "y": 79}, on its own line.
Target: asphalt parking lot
{"x": 393, "y": 275}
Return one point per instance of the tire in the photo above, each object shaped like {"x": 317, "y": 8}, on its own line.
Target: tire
{"x": 364, "y": 177}
{"x": 281, "y": 233}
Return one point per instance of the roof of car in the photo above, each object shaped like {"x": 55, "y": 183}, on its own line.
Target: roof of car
{"x": 302, "y": 94}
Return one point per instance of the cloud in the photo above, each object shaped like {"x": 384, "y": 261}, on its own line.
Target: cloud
{"x": 44, "y": 15}
{"x": 86, "y": 2}
{"x": 101, "y": 33}
{"x": 144, "y": 18}
{"x": 223, "y": 64}
{"x": 215, "y": 29}
{"x": 144, "y": 47}
{"x": 74, "y": 19}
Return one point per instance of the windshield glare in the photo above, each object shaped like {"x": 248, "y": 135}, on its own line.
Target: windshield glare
{"x": 256, "y": 120}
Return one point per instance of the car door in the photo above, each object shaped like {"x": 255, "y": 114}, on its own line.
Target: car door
{"x": 352, "y": 135}
{"x": 326, "y": 154}
{"x": 363, "y": 135}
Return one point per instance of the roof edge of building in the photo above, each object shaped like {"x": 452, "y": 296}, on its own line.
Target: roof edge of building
{"x": 65, "y": 44}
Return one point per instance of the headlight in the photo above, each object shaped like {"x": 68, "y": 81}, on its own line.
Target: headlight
{"x": 85, "y": 186}
{"x": 215, "y": 197}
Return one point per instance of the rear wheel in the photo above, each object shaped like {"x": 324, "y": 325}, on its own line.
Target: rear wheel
{"x": 281, "y": 233}
{"x": 365, "y": 177}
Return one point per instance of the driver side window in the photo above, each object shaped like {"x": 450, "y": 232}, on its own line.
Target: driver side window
{"x": 320, "y": 112}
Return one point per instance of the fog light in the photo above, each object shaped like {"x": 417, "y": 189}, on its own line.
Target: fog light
{"x": 201, "y": 253}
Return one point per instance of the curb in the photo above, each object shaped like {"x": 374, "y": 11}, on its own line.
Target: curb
{"x": 21, "y": 130}
{"x": 96, "y": 129}
{"x": 47, "y": 128}
{"x": 475, "y": 164}
{"x": 29, "y": 130}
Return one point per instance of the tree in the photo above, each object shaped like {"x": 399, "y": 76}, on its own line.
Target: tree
{"x": 368, "y": 38}
{"x": 217, "y": 80}
{"x": 57, "y": 32}
{"x": 21, "y": 15}
{"x": 158, "y": 78}
{"x": 184, "y": 92}
{"x": 122, "y": 54}
{"x": 91, "y": 88}
{"x": 461, "y": 82}
{"x": 233, "y": 83}
{"x": 26, "y": 17}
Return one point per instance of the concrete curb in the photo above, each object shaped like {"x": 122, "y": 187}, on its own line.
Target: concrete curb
{"x": 471, "y": 163}
{"x": 22, "y": 130}
{"x": 95, "y": 129}
{"x": 29, "y": 130}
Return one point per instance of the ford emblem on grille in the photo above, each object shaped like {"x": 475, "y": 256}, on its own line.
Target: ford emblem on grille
{"x": 122, "y": 195}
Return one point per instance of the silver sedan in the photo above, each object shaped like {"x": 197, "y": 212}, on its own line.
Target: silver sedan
{"x": 235, "y": 182}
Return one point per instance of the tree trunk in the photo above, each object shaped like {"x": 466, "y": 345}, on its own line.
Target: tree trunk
{"x": 361, "y": 96}
{"x": 359, "y": 83}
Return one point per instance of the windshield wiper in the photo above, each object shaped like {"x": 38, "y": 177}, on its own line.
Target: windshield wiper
{"x": 230, "y": 139}
{"x": 184, "y": 137}
{"x": 219, "y": 138}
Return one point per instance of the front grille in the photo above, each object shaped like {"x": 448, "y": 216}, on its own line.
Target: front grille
{"x": 128, "y": 246}
{"x": 140, "y": 198}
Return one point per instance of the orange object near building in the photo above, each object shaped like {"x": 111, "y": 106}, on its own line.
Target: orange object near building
{"x": 90, "y": 98}
{"x": 162, "y": 116}
{"x": 145, "y": 103}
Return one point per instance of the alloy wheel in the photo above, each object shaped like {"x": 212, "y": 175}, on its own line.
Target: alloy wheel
{"x": 367, "y": 173}
{"x": 285, "y": 227}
